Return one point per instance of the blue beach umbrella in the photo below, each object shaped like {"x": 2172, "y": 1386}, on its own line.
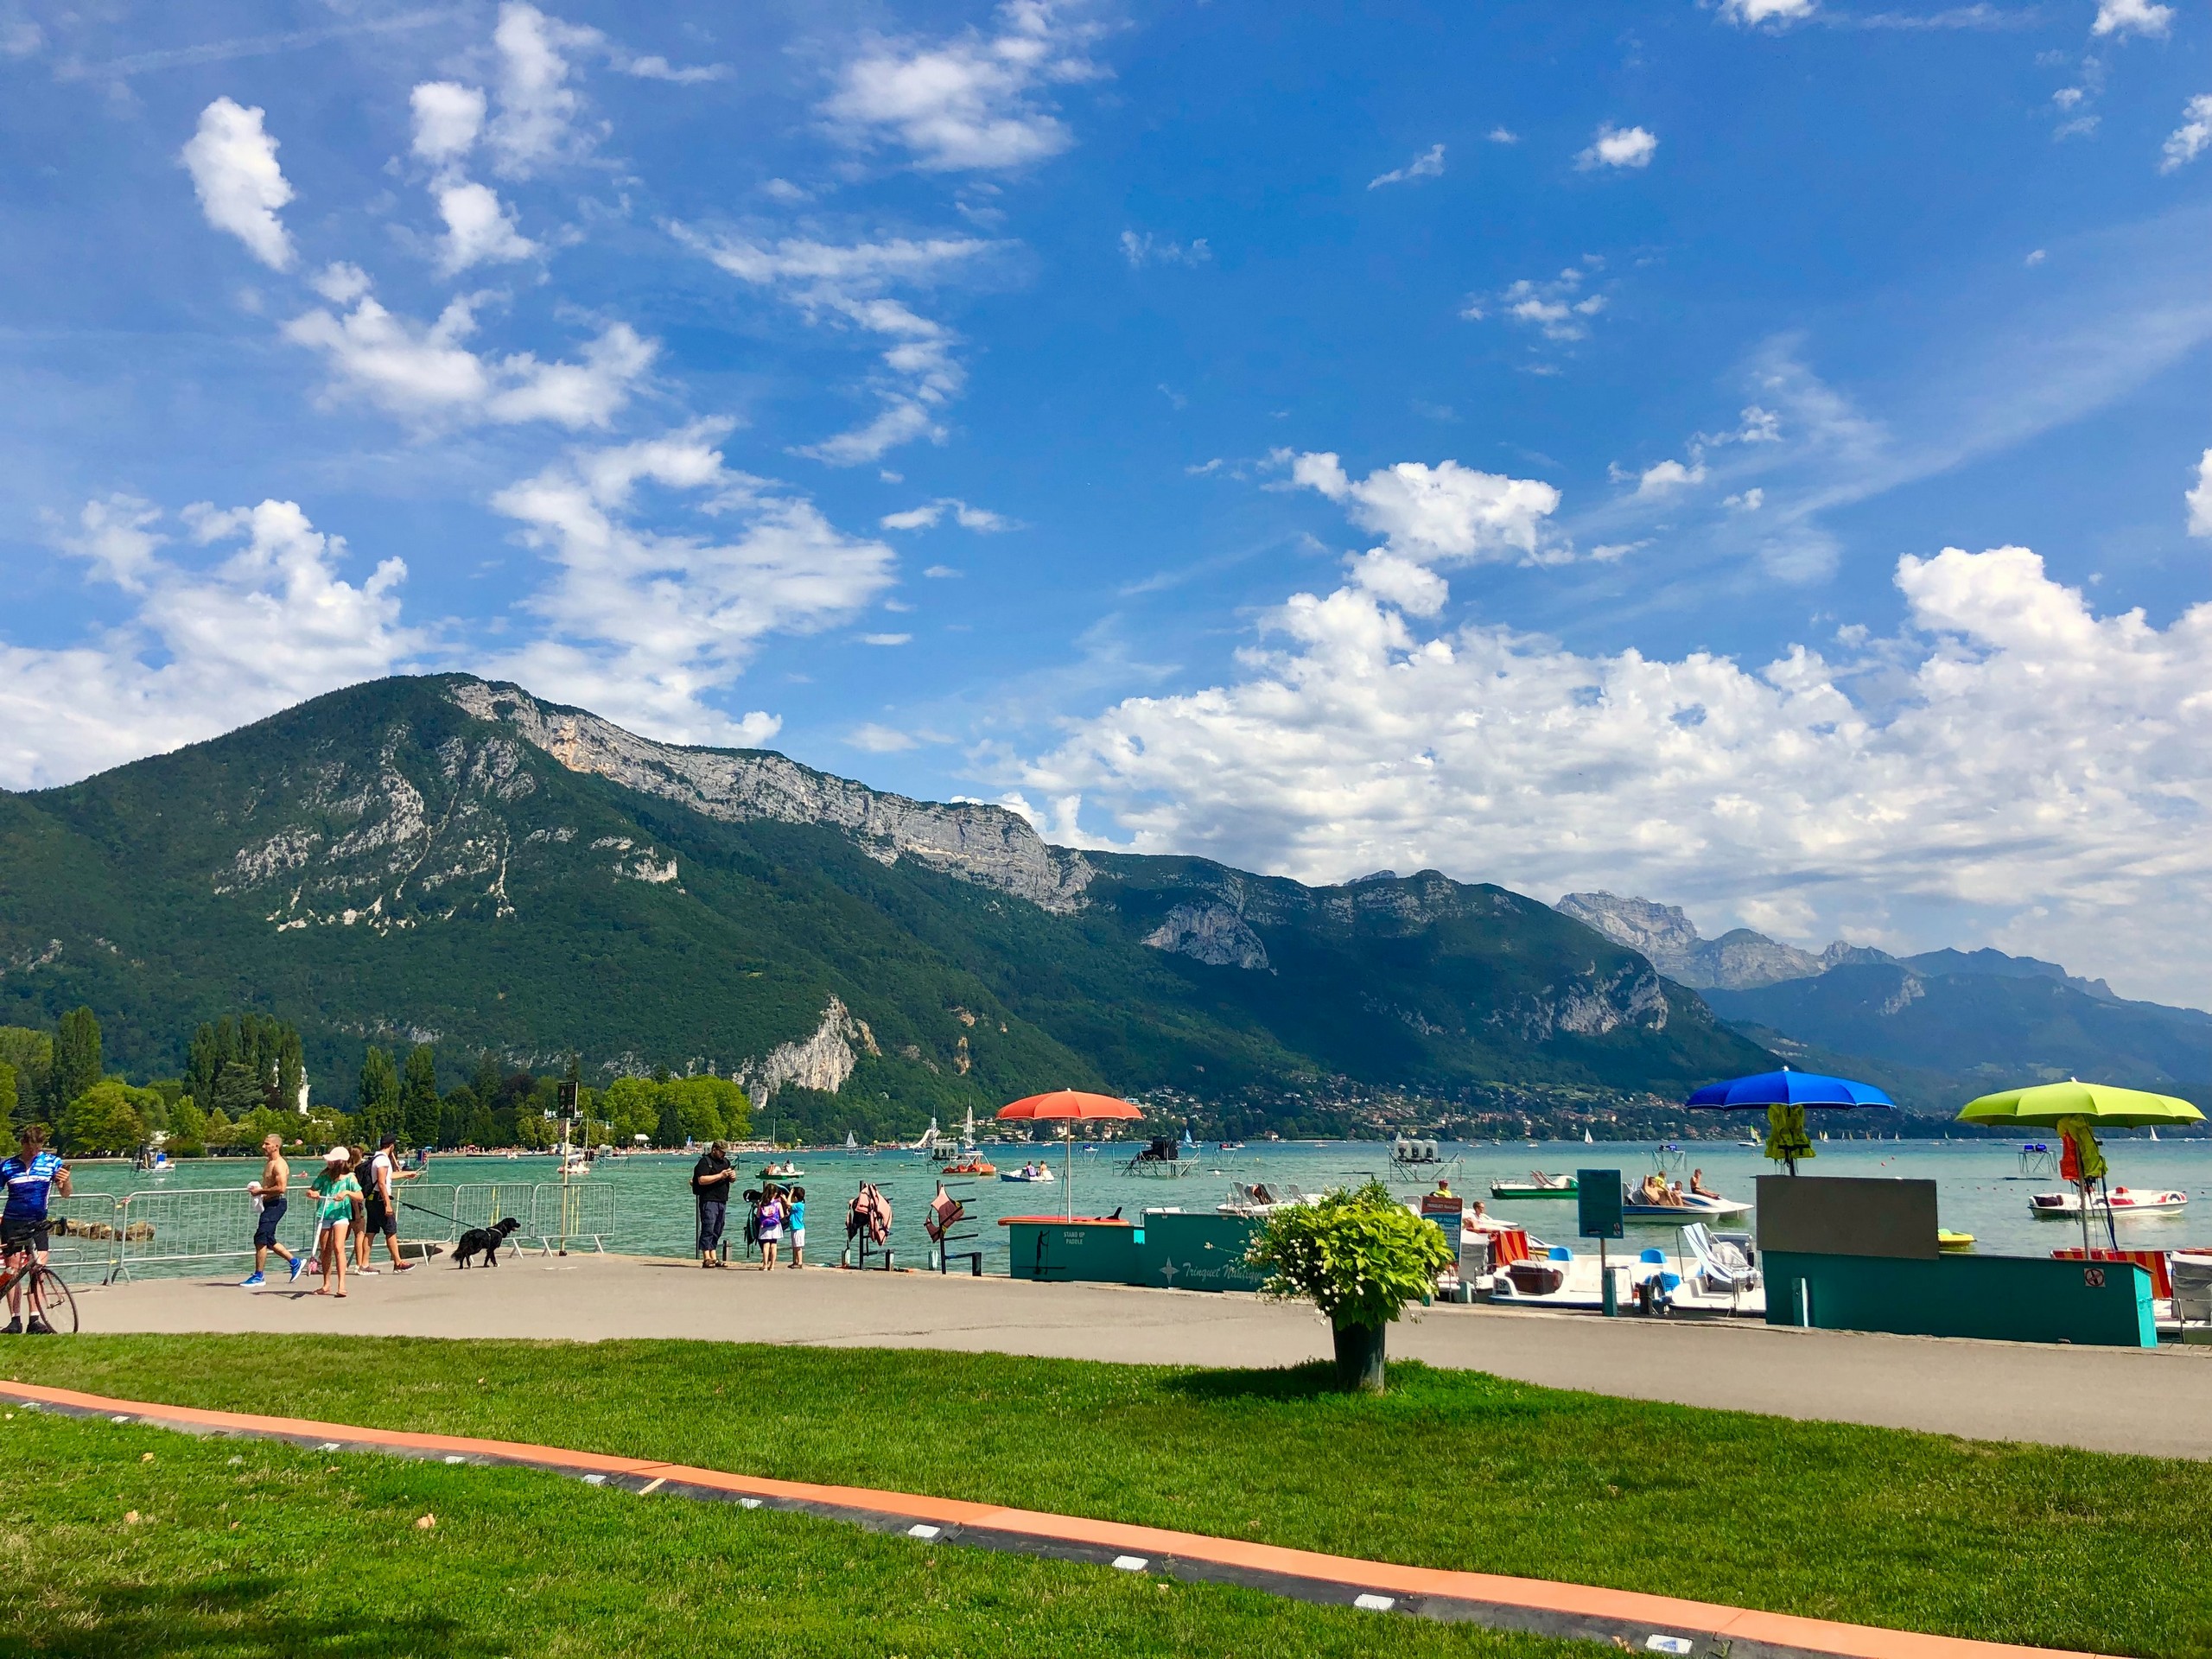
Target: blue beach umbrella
{"x": 1784, "y": 1096}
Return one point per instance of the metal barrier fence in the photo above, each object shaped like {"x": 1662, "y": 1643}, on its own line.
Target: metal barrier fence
{"x": 560, "y": 1215}
{"x": 172, "y": 1229}
{"x": 163, "y": 1232}
{"x": 84, "y": 1237}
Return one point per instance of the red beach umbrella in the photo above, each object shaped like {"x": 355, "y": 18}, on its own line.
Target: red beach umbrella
{"x": 1068, "y": 1106}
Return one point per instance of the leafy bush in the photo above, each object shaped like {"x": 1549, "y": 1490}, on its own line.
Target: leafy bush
{"x": 1359, "y": 1256}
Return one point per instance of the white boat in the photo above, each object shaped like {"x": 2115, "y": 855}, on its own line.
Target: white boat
{"x": 851, "y": 1145}
{"x": 1588, "y": 1140}
{"x": 2121, "y": 1201}
{"x": 1694, "y": 1206}
{"x": 1258, "y": 1198}
{"x": 1026, "y": 1173}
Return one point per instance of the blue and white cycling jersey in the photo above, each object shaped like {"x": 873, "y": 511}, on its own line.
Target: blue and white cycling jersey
{"x": 27, "y": 1185}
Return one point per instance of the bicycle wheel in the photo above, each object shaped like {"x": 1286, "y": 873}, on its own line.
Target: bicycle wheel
{"x": 49, "y": 1290}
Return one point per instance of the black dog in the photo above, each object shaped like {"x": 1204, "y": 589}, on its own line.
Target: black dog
{"x": 484, "y": 1241}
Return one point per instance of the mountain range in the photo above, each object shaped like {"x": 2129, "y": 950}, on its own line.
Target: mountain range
{"x": 1941, "y": 1026}
{"x": 448, "y": 860}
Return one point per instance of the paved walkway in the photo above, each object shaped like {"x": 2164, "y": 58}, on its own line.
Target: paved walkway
{"x": 1633, "y": 1620}
{"x": 2156, "y": 1401}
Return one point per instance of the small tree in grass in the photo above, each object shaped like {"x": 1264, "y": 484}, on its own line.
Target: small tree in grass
{"x": 1358, "y": 1256}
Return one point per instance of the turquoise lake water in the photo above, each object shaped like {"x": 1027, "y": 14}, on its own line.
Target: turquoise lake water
{"x": 1977, "y": 1189}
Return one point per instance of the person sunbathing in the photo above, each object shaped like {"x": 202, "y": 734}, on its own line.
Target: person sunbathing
{"x": 1698, "y": 1187}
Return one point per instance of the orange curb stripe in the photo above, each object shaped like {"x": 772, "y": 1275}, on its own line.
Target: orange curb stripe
{"x": 1542, "y": 1595}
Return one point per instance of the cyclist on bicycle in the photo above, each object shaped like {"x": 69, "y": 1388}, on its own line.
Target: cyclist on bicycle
{"x": 29, "y": 1176}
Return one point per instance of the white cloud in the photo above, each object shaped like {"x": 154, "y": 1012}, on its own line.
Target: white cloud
{"x": 968, "y": 103}
{"x": 2131, "y": 17}
{"x": 880, "y": 740}
{"x": 232, "y": 161}
{"x": 423, "y": 373}
{"x": 2200, "y": 498}
{"x": 659, "y": 69}
{"x": 1668, "y": 477}
{"x": 943, "y": 573}
{"x": 1618, "y": 147}
{"x": 20, "y": 37}
{"x": 1446, "y": 514}
{"x": 2187, "y": 142}
{"x": 1504, "y": 136}
{"x": 1428, "y": 164}
{"x": 448, "y": 120}
{"x": 538, "y": 109}
{"x": 2020, "y": 753}
{"x": 929, "y": 512}
{"x": 1746, "y": 501}
{"x": 844, "y": 285}
{"x": 204, "y": 649}
{"x": 1751, "y": 13}
{"x": 1147, "y": 249}
{"x": 2036, "y": 256}
{"x": 645, "y": 622}
{"x": 480, "y": 229}
{"x": 886, "y": 638}
{"x": 1557, "y": 308}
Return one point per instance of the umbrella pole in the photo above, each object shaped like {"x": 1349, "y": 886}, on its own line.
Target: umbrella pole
{"x": 1069, "y": 1182}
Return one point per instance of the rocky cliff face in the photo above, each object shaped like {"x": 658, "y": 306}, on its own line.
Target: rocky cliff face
{"x": 1213, "y": 934}
{"x": 1737, "y": 961}
{"x": 987, "y": 845}
{"x": 823, "y": 1061}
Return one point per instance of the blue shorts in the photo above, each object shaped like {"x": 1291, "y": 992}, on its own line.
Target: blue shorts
{"x": 264, "y": 1230}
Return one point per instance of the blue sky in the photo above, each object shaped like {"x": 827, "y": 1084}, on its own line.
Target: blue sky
{"x": 1521, "y": 439}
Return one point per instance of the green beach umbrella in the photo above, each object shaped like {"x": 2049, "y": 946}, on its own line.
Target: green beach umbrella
{"x": 2078, "y": 1109}
{"x": 2104, "y": 1106}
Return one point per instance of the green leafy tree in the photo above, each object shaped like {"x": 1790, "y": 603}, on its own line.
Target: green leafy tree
{"x": 291, "y": 1070}
{"x": 490, "y": 1075}
{"x": 76, "y": 1056}
{"x": 377, "y": 1100}
{"x": 31, "y": 1055}
{"x": 215, "y": 1134}
{"x": 237, "y": 1090}
{"x": 1359, "y": 1256}
{"x": 7, "y": 1092}
{"x": 419, "y": 1107}
{"x": 711, "y": 1108}
{"x": 187, "y": 1128}
{"x": 106, "y": 1118}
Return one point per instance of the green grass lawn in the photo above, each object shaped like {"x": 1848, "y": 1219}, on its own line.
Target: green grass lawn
{"x": 247, "y": 1549}
{"x": 1452, "y": 1469}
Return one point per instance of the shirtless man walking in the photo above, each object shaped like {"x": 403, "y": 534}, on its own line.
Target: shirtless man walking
{"x": 275, "y": 1177}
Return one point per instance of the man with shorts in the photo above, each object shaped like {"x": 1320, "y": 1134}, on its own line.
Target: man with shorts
{"x": 269, "y": 1198}
{"x": 384, "y": 1205}
{"x": 29, "y": 1176}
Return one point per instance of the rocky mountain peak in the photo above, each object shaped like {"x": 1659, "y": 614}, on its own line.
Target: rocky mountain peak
{"x": 1739, "y": 960}
{"x": 987, "y": 845}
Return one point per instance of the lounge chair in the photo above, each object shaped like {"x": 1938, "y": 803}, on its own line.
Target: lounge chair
{"x": 1722, "y": 1269}
{"x": 2192, "y": 1277}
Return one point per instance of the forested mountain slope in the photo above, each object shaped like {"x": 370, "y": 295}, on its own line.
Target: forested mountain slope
{"x": 442, "y": 858}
